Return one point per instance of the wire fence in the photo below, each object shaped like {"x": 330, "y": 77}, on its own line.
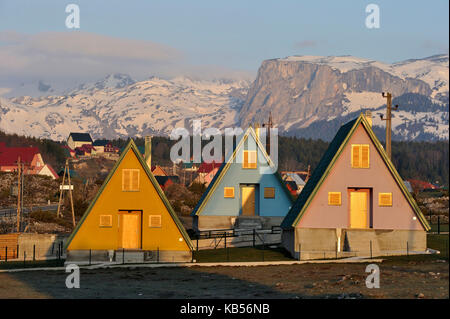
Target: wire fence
{"x": 438, "y": 223}
{"x": 31, "y": 253}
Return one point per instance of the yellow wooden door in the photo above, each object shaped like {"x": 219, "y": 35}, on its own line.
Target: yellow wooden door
{"x": 358, "y": 210}
{"x": 130, "y": 230}
{"x": 248, "y": 201}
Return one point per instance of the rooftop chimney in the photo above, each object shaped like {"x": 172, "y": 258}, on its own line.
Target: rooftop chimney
{"x": 257, "y": 130}
{"x": 148, "y": 151}
{"x": 368, "y": 116}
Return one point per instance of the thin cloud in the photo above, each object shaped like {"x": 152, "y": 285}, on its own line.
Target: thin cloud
{"x": 440, "y": 47}
{"x": 74, "y": 57}
{"x": 305, "y": 44}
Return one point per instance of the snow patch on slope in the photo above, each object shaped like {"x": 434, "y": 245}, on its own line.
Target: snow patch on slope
{"x": 355, "y": 101}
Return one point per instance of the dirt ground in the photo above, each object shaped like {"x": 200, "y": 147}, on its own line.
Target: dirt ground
{"x": 405, "y": 279}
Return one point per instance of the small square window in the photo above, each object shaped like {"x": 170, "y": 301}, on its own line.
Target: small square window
{"x": 228, "y": 192}
{"x": 269, "y": 192}
{"x": 105, "y": 220}
{"x": 385, "y": 199}
{"x": 334, "y": 198}
{"x": 154, "y": 221}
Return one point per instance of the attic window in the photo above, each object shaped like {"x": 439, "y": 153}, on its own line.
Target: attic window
{"x": 269, "y": 192}
{"x": 385, "y": 199}
{"x": 250, "y": 159}
{"x": 360, "y": 156}
{"x": 154, "y": 221}
{"x": 228, "y": 192}
{"x": 130, "y": 180}
{"x": 105, "y": 220}
{"x": 334, "y": 198}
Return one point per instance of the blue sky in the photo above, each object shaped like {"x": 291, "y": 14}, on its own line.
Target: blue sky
{"x": 240, "y": 34}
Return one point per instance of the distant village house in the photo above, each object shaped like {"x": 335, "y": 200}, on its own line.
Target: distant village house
{"x": 30, "y": 157}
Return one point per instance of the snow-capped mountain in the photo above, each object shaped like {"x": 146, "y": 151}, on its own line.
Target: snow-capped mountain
{"x": 308, "y": 96}
{"x": 117, "y": 106}
{"x": 111, "y": 81}
{"x": 312, "y": 96}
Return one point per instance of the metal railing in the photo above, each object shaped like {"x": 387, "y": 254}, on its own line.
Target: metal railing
{"x": 222, "y": 235}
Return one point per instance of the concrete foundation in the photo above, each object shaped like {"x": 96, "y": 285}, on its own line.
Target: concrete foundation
{"x": 127, "y": 256}
{"x": 323, "y": 243}
{"x": 35, "y": 246}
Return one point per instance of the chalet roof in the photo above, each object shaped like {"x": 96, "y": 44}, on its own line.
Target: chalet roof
{"x": 9, "y": 155}
{"x": 296, "y": 178}
{"x": 81, "y": 137}
{"x": 208, "y": 167}
{"x": 162, "y": 180}
{"x": 292, "y": 185}
{"x": 326, "y": 164}
{"x": 101, "y": 143}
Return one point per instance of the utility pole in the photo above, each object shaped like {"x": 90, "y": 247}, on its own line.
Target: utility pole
{"x": 19, "y": 193}
{"x": 388, "y": 120}
{"x": 64, "y": 187}
{"x": 61, "y": 191}
{"x": 70, "y": 194}
{"x": 269, "y": 125}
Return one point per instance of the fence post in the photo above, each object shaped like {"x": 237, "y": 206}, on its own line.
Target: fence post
{"x": 123, "y": 255}
{"x": 6, "y": 254}
{"x": 254, "y": 239}
{"x": 34, "y": 252}
{"x": 336, "y": 250}
{"x": 407, "y": 249}
{"x": 197, "y": 243}
{"x": 90, "y": 256}
{"x": 157, "y": 255}
{"x": 17, "y": 255}
{"x": 439, "y": 224}
{"x": 225, "y": 240}
{"x": 263, "y": 251}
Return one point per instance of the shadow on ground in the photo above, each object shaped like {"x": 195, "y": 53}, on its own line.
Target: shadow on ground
{"x": 410, "y": 278}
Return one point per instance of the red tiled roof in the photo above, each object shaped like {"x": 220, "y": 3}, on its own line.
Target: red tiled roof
{"x": 9, "y": 155}
{"x": 85, "y": 148}
{"x": 208, "y": 167}
{"x": 420, "y": 185}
